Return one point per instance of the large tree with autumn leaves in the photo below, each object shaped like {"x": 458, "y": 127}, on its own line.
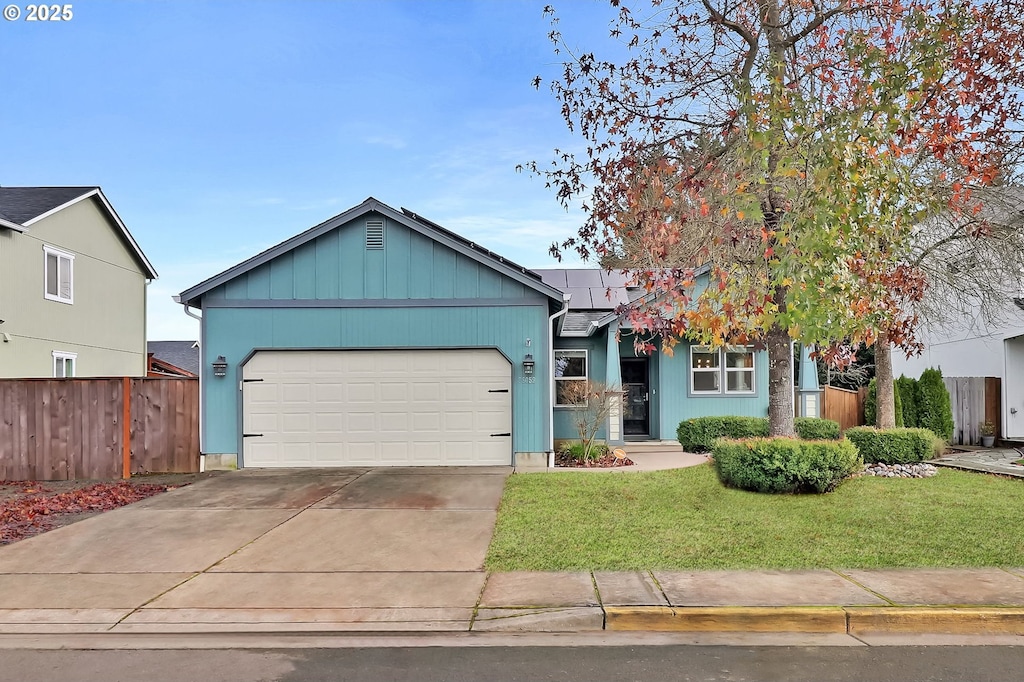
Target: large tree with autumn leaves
{"x": 787, "y": 148}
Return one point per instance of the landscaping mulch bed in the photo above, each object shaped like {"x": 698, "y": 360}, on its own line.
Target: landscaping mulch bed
{"x": 28, "y": 508}
{"x": 606, "y": 462}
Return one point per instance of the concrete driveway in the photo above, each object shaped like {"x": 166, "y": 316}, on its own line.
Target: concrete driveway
{"x": 360, "y": 549}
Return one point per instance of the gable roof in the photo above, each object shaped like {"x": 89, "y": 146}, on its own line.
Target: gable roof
{"x": 404, "y": 217}
{"x": 22, "y": 207}
{"x": 181, "y": 354}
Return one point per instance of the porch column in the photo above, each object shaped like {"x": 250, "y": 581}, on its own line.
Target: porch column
{"x": 613, "y": 380}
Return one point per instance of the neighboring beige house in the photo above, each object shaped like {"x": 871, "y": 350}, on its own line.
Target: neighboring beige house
{"x": 72, "y": 286}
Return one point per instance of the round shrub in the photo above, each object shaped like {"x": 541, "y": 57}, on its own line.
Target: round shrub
{"x": 892, "y": 446}
{"x": 812, "y": 428}
{"x": 699, "y": 434}
{"x": 785, "y": 465}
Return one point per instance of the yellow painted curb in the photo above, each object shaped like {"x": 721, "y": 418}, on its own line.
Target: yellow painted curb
{"x": 946, "y": 621}
{"x": 828, "y": 619}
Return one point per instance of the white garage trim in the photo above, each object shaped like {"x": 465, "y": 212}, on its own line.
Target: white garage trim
{"x": 398, "y": 407}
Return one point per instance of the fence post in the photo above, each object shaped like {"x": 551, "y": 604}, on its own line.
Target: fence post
{"x": 126, "y": 431}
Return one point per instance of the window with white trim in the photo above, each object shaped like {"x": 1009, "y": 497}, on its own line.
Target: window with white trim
{"x": 571, "y": 367}
{"x": 64, "y": 364}
{"x": 708, "y": 365}
{"x": 59, "y": 272}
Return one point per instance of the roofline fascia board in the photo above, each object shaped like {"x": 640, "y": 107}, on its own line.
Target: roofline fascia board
{"x": 372, "y": 302}
{"x": 97, "y": 192}
{"x": 11, "y": 225}
{"x": 368, "y": 206}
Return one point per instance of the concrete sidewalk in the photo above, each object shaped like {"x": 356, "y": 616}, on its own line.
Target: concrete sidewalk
{"x": 861, "y": 603}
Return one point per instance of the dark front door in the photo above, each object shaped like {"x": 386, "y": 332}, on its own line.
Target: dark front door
{"x": 636, "y": 417}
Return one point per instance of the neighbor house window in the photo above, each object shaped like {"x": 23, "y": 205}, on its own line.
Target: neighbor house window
{"x": 721, "y": 370}
{"x": 64, "y": 364}
{"x": 59, "y": 269}
{"x": 570, "y": 370}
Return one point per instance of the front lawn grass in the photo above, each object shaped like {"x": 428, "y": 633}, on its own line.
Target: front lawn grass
{"x": 685, "y": 519}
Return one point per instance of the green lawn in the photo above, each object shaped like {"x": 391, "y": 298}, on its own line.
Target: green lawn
{"x": 685, "y": 519}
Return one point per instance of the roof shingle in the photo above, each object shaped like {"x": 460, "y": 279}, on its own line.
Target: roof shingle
{"x": 22, "y": 204}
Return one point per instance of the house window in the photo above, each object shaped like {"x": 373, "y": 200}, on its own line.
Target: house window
{"x": 64, "y": 364}
{"x": 570, "y": 371}
{"x": 708, "y": 365}
{"x": 59, "y": 275}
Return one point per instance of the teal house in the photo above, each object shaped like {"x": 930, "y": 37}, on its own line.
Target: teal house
{"x": 379, "y": 338}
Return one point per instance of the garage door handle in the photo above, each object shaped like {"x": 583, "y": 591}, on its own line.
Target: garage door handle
{"x": 495, "y": 435}
{"x": 498, "y": 390}
{"x": 251, "y": 435}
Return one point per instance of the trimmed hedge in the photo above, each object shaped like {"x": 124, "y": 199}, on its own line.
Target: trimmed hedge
{"x": 785, "y": 465}
{"x": 812, "y": 428}
{"x": 699, "y": 434}
{"x": 892, "y": 446}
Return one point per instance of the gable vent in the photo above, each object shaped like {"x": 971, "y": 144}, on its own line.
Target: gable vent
{"x": 374, "y": 234}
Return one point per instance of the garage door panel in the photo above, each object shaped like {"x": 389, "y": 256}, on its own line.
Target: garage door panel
{"x": 394, "y": 422}
{"x": 425, "y": 391}
{"x": 373, "y": 408}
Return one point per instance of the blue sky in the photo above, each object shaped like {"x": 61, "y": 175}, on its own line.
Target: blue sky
{"x": 217, "y": 129}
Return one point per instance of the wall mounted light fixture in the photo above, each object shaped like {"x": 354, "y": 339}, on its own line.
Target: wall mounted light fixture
{"x": 220, "y": 366}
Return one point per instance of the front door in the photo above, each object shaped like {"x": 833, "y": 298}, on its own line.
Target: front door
{"x": 636, "y": 417}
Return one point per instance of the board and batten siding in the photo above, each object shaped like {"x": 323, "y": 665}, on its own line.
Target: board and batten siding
{"x": 106, "y": 324}
{"x": 236, "y": 332}
{"x": 323, "y": 294}
{"x": 597, "y": 359}
{"x": 337, "y": 265}
{"x": 676, "y": 403}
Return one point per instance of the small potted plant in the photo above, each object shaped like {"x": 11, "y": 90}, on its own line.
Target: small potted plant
{"x": 988, "y": 433}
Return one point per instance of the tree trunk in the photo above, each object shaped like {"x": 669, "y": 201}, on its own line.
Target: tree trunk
{"x": 780, "y": 382}
{"x": 884, "y": 391}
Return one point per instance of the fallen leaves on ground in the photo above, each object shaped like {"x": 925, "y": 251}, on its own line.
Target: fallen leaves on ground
{"x": 37, "y": 509}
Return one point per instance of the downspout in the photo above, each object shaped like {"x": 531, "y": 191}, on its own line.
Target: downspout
{"x": 202, "y": 460}
{"x": 551, "y": 378}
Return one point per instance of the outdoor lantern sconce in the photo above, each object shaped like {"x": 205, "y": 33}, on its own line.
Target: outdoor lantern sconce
{"x": 220, "y": 367}
{"x": 528, "y": 365}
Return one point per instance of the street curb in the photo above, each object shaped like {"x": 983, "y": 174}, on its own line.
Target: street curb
{"x": 819, "y": 619}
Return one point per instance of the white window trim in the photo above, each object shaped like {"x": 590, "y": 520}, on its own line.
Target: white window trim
{"x": 47, "y": 252}
{"x": 705, "y": 370}
{"x": 585, "y": 377}
{"x": 753, "y": 372}
{"x": 723, "y": 371}
{"x": 62, "y": 356}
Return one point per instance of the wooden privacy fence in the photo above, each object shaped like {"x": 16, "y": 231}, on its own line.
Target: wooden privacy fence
{"x": 845, "y": 406}
{"x": 974, "y": 400}
{"x": 63, "y": 429}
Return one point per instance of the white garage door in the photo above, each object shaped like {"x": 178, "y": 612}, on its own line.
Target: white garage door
{"x": 376, "y": 408}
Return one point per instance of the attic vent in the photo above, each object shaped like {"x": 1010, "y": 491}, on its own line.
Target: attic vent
{"x": 374, "y": 234}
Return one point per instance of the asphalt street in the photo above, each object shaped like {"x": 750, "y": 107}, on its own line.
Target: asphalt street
{"x": 568, "y": 664}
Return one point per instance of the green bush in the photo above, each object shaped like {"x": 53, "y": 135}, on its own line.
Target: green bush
{"x": 812, "y": 428}
{"x": 699, "y": 434}
{"x": 785, "y": 465}
{"x": 909, "y": 394}
{"x": 575, "y": 451}
{"x": 871, "y": 405}
{"x": 933, "y": 409}
{"x": 892, "y": 446}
